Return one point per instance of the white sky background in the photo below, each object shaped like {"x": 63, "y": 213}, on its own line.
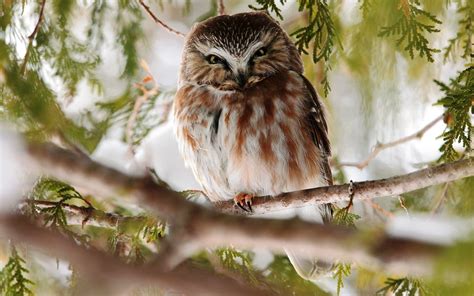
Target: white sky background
{"x": 352, "y": 135}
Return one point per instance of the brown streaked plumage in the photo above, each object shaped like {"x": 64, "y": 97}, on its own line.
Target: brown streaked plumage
{"x": 247, "y": 121}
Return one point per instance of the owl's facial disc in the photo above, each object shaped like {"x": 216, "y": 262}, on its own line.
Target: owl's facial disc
{"x": 239, "y": 69}
{"x": 234, "y": 52}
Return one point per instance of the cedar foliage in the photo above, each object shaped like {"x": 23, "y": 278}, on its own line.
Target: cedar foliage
{"x": 57, "y": 61}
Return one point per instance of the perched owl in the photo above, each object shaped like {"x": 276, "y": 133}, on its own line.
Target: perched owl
{"x": 248, "y": 122}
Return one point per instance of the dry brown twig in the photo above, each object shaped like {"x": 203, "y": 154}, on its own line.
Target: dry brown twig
{"x": 221, "y": 7}
{"x": 158, "y": 21}
{"x": 440, "y": 199}
{"x": 32, "y": 37}
{"x": 379, "y": 147}
{"x": 379, "y": 209}
{"x": 146, "y": 94}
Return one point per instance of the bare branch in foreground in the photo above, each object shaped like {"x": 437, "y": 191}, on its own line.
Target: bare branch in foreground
{"x": 158, "y": 21}
{"x": 382, "y": 146}
{"x": 32, "y": 36}
{"x": 114, "y": 274}
{"x": 194, "y": 227}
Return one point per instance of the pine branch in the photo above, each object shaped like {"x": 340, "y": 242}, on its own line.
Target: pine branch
{"x": 13, "y": 277}
{"x": 459, "y": 104}
{"x": 31, "y": 37}
{"x": 412, "y": 24}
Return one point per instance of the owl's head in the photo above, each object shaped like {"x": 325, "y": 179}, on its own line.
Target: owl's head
{"x": 232, "y": 52}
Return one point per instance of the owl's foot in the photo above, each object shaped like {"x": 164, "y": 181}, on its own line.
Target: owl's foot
{"x": 244, "y": 201}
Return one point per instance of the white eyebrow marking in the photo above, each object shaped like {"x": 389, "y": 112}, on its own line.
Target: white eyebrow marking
{"x": 236, "y": 63}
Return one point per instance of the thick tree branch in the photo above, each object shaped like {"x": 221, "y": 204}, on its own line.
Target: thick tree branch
{"x": 115, "y": 274}
{"x": 382, "y": 146}
{"x": 158, "y": 21}
{"x": 194, "y": 227}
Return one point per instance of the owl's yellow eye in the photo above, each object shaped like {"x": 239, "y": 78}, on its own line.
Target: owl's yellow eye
{"x": 213, "y": 59}
{"x": 261, "y": 52}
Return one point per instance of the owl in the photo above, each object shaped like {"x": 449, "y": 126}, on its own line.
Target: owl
{"x": 247, "y": 121}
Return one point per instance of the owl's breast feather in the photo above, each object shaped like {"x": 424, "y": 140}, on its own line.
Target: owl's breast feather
{"x": 261, "y": 144}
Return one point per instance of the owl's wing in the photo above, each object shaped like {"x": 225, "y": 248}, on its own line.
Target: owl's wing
{"x": 319, "y": 129}
{"x": 306, "y": 266}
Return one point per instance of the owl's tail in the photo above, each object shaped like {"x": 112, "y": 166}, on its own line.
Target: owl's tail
{"x": 305, "y": 265}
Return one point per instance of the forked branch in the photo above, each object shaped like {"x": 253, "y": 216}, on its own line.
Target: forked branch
{"x": 379, "y": 147}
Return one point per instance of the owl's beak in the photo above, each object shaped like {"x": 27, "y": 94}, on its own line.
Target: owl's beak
{"x": 241, "y": 79}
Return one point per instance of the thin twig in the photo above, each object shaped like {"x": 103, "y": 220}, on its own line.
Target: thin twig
{"x": 379, "y": 209}
{"x": 146, "y": 94}
{"x": 402, "y": 204}
{"x": 382, "y": 146}
{"x": 32, "y": 37}
{"x": 160, "y": 22}
{"x": 221, "y": 7}
{"x": 76, "y": 215}
{"x": 440, "y": 199}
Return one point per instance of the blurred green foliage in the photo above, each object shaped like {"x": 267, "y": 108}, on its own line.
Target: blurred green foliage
{"x": 14, "y": 279}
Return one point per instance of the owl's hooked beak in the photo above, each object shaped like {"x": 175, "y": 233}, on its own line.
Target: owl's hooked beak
{"x": 241, "y": 78}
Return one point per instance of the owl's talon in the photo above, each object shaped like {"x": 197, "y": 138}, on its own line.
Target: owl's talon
{"x": 244, "y": 201}
{"x": 249, "y": 204}
{"x": 242, "y": 207}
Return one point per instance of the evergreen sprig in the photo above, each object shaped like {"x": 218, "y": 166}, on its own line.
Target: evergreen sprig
{"x": 13, "y": 277}
{"x": 403, "y": 286}
{"x": 459, "y": 104}
{"x": 464, "y": 36}
{"x": 238, "y": 261}
{"x": 341, "y": 271}
{"x": 269, "y": 5}
{"x": 411, "y": 27}
{"x": 283, "y": 275}
{"x": 320, "y": 31}
{"x": 343, "y": 217}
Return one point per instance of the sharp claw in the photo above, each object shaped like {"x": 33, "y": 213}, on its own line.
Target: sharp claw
{"x": 242, "y": 207}
{"x": 249, "y": 204}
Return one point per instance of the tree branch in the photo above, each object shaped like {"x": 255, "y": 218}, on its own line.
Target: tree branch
{"x": 382, "y": 146}
{"x": 115, "y": 274}
{"x": 32, "y": 36}
{"x": 77, "y": 215}
{"x": 158, "y": 21}
{"x": 194, "y": 227}
{"x": 362, "y": 190}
